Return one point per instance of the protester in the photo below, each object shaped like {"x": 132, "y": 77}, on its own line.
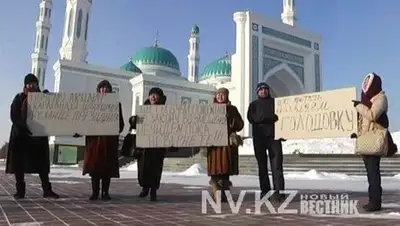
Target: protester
{"x": 101, "y": 155}
{"x": 27, "y": 154}
{"x": 372, "y": 111}
{"x": 261, "y": 114}
{"x": 222, "y": 162}
{"x": 151, "y": 160}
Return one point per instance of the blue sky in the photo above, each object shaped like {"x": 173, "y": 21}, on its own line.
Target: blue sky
{"x": 358, "y": 36}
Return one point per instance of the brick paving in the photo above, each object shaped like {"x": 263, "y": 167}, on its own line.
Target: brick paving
{"x": 178, "y": 205}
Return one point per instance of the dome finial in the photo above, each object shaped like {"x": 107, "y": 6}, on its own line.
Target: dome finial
{"x": 156, "y": 39}
{"x": 195, "y": 30}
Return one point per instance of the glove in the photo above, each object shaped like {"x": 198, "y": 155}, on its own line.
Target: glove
{"x": 355, "y": 103}
{"x": 353, "y": 136}
{"x": 275, "y": 118}
{"x": 76, "y": 135}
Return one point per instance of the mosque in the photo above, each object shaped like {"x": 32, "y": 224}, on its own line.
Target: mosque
{"x": 272, "y": 51}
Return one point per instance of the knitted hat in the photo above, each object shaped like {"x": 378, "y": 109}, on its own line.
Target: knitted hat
{"x": 262, "y": 85}
{"x": 30, "y": 78}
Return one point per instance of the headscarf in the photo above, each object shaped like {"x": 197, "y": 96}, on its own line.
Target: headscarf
{"x": 160, "y": 93}
{"x": 373, "y": 87}
{"x": 102, "y": 84}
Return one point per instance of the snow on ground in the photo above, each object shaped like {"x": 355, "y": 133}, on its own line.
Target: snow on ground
{"x": 313, "y": 146}
{"x": 196, "y": 177}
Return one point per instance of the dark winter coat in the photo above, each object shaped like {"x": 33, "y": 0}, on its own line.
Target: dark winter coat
{"x": 26, "y": 154}
{"x": 101, "y": 152}
{"x": 225, "y": 160}
{"x": 262, "y": 117}
{"x": 150, "y": 161}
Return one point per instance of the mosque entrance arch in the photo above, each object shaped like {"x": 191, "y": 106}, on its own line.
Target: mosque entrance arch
{"x": 283, "y": 81}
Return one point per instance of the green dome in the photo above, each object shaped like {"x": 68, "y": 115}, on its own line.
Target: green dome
{"x": 155, "y": 55}
{"x": 219, "y": 68}
{"x": 195, "y": 30}
{"x": 130, "y": 67}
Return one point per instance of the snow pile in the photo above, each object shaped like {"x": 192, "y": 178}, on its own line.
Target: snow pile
{"x": 195, "y": 169}
{"x": 315, "y": 175}
{"x": 131, "y": 167}
{"x": 313, "y": 146}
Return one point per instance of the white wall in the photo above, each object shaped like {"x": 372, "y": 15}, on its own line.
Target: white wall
{"x": 80, "y": 77}
{"x": 247, "y": 68}
{"x": 177, "y": 90}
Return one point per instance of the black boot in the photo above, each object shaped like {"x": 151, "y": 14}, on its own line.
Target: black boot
{"x": 48, "y": 191}
{"x": 46, "y": 186}
{"x": 95, "y": 188}
{"x": 226, "y": 185}
{"x": 105, "y": 187}
{"x": 20, "y": 194}
{"x": 144, "y": 192}
{"x": 153, "y": 195}
{"x": 372, "y": 207}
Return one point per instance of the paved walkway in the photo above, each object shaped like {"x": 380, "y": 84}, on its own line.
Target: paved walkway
{"x": 179, "y": 205}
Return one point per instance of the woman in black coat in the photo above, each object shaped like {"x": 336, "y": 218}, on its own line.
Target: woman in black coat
{"x": 27, "y": 154}
{"x": 151, "y": 160}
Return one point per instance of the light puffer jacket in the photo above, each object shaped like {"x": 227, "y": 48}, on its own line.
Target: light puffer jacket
{"x": 368, "y": 115}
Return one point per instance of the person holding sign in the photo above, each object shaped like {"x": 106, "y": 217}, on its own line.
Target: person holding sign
{"x": 372, "y": 110}
{"x": 27, "y": 154}
{"x": 150, "y": 161}
{"x": 101, "y": 155}
{"x": 222, "y": 162}
{"x": 261, "y": 114}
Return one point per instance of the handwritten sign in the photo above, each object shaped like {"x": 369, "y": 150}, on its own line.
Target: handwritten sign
{"x": 326, "y": 114}
{"x": 64, "y": 114}
{"x": 189, "y": 125}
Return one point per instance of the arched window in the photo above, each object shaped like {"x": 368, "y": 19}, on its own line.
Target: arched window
{"x": 70, "y": 23}
{"x": 49, "y": 13}
{"x": 47, "y": 42}
{"x": 38, "y": 73}
{"x": 79, "y": 24}
{"x": 42, "y": 42}
{"x": 86, "y": 26}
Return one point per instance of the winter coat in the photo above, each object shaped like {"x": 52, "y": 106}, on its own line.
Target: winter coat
{"x": 26, "y": 154}
{"x": 101, "y": 152}
{"x": 225, "y": 160}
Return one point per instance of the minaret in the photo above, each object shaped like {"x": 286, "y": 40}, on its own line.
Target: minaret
{"x": 74, "y": 42}
{"x": 289, "y": 13}
{"x": 194, "y": 55}
{"x": 39, "y": 55}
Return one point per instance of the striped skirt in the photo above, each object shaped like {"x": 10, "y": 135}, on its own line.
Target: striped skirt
{"x": 223, "y": 161}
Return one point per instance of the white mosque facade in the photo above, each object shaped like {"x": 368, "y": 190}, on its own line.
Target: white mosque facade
{"x": 276, "y": 52}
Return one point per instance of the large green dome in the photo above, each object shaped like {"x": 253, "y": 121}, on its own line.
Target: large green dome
{"x": 155, "y": 55}
{"x": 130, "y": 67}
{"x": 219, "y": 68}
